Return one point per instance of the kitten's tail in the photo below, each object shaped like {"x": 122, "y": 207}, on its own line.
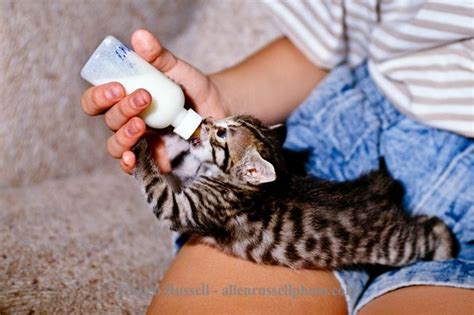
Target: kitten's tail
{"x": 438, "y": 242}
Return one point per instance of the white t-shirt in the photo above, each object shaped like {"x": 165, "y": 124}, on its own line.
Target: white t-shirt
{"x": 420, "y": 53}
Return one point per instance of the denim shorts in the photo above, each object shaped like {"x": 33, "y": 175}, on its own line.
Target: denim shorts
{"x": 346, "y": 125}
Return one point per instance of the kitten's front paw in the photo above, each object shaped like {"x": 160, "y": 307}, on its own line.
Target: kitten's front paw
{"x": 140, "y": 148}
{"x": 142, "y": 157}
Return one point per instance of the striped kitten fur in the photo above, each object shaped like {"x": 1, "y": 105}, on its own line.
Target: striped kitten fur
{"x": 231, "y": 186}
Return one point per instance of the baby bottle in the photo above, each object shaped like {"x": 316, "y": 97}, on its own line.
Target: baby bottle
{"x": 113, "y": 61}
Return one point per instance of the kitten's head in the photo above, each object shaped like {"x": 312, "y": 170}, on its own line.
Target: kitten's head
{"x": 241, "y": 147}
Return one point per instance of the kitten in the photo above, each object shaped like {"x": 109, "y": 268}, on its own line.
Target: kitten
{"x": 231, "y": 187}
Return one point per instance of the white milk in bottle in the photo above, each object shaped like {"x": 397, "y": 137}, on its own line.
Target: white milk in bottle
{"x": 114, "y": 62}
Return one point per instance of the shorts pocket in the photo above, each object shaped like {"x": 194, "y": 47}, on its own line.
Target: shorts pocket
{"x": 452, "y": 196}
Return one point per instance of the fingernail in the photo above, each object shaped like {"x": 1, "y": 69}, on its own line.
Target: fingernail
{"x": 138, "y": 101}
{"x": 112, "y": 92}
{"x": 133, "y": 128}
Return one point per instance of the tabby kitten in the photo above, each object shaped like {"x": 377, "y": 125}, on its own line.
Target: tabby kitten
{"x": 231, "y": 187}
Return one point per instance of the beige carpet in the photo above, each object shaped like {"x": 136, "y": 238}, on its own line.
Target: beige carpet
{"x": 86, "y": 244}
{"x": 75, "y": 235}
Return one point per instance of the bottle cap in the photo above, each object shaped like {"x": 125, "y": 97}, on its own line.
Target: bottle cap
{"x": 188, "y": 124}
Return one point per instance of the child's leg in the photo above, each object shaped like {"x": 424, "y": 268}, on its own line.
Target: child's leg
{"x": 423, "y": 300}
{"x": 198, "y": 265}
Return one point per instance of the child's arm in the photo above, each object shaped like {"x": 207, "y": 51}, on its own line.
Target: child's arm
{"x": 268, "y": 84}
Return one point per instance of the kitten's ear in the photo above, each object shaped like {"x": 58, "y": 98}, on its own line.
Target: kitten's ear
{"x": 255, "y": 170}
{"x": 279, "y": 132}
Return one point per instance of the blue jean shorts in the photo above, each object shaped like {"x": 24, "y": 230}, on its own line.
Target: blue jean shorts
{"x": 346, "y": 125}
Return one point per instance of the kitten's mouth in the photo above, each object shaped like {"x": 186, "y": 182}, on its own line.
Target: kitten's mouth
{"x": 196, "y": 142}
{"x": 196, "y": 137}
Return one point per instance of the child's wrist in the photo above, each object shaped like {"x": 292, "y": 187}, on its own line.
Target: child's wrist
{"x": 224, "y": 93}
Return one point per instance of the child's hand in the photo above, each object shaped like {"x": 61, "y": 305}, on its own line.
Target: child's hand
{"x": 121, "y": 111}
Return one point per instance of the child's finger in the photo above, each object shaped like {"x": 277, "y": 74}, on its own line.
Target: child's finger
{"x": 97, "y": 99}
{"x": 128, "y": 162}
{"x": 124, "y": 139}
{"x": 128, "y": 107}
{"x": 149, "y": 48}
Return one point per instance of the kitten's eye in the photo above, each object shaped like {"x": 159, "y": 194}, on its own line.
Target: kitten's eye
{"x": 221, "y": 133}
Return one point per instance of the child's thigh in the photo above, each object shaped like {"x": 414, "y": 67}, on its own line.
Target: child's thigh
{"x": 241, "y": 287}
{"x": 422, "y": 300}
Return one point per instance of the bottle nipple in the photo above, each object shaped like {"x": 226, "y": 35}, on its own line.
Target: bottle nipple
{"x": 186, "y": 123}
